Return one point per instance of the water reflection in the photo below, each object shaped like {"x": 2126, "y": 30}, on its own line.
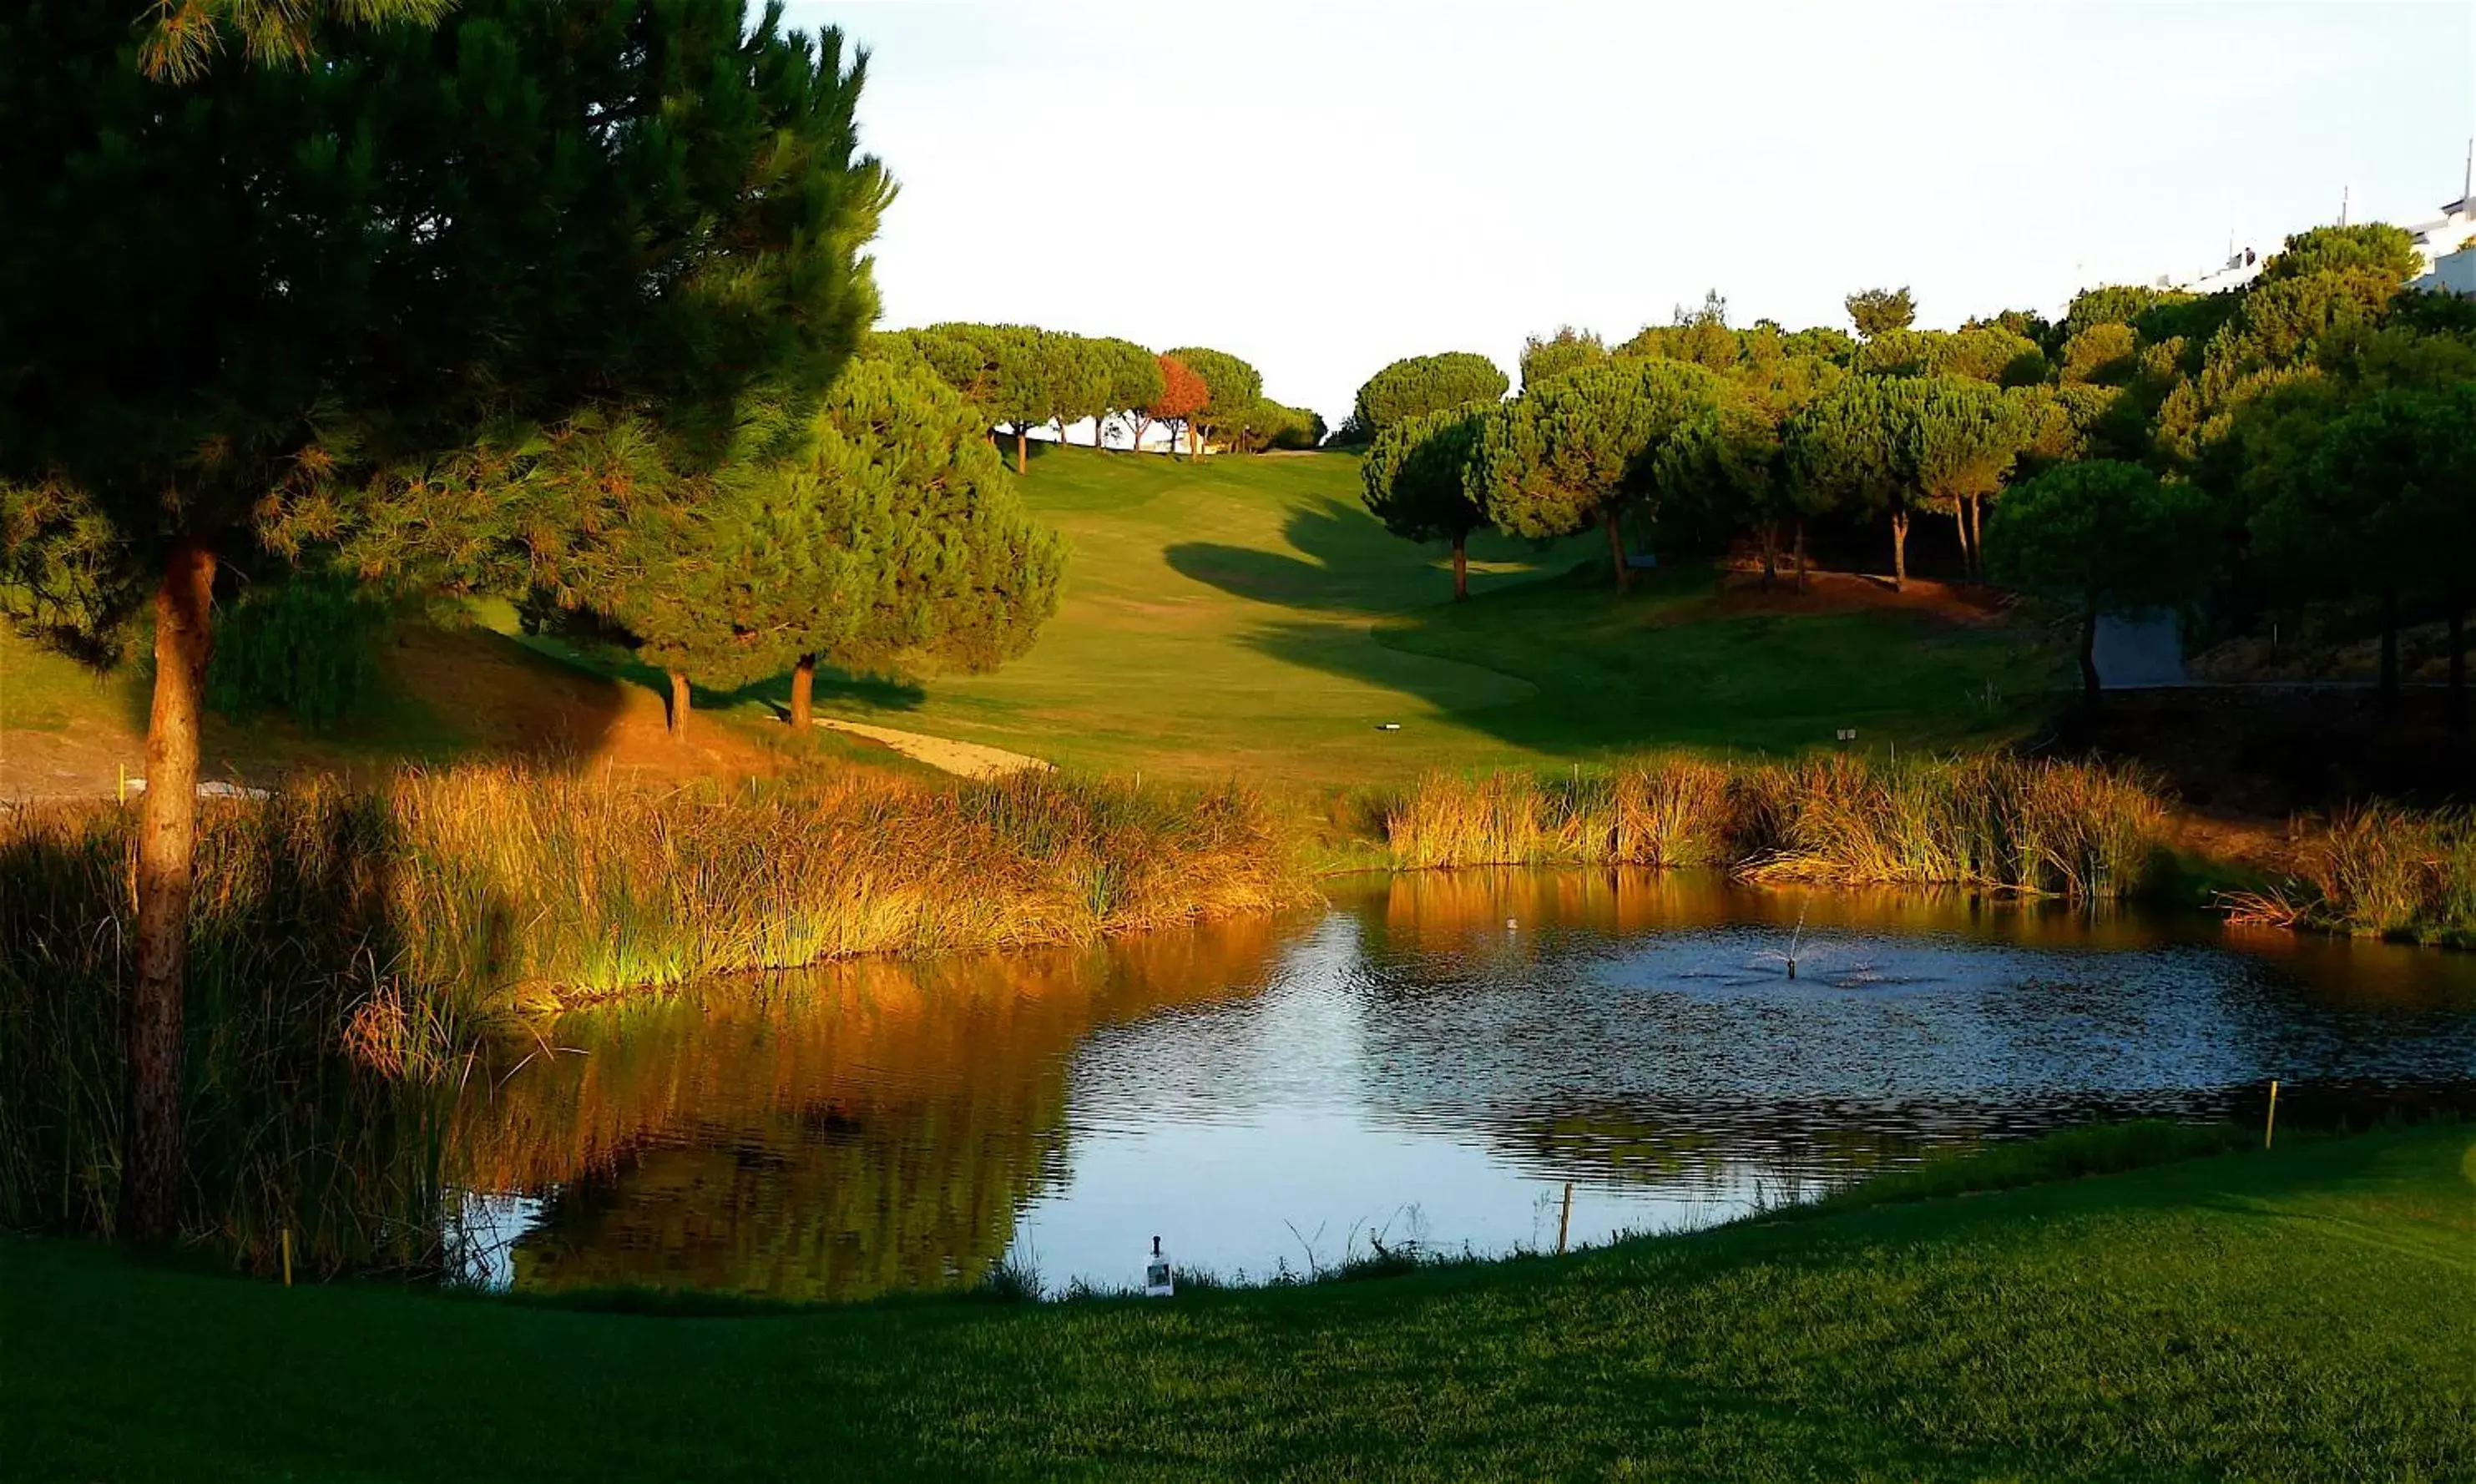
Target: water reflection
{"x": 1432, "y": 1058}
{"x": 830, "y": 1134}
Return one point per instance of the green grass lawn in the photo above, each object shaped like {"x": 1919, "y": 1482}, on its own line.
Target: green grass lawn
{"x": 2308, "y": 1313}
{"x": 1247, "y": 617}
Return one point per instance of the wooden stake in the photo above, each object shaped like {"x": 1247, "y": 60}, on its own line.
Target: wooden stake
{"x": 2270, "y": 1127}
{"x": 287, "y": 1257}
{"x": 1565, "y": 1219}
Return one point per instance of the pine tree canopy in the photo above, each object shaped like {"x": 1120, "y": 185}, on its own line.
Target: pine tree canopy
{"x": 890, "y": 539}
{"x": 1420, "y": 384}
{"x": 276, "y": 288}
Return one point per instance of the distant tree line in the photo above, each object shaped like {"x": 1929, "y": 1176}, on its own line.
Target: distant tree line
{"x": 2306, "y": 439}
{"x": 1022, "y": 378}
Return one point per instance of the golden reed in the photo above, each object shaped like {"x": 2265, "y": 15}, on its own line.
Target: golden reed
{"x": 1989, "y": 820}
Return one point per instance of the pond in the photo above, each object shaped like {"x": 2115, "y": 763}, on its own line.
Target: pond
{"x": 1435, "y": 1058}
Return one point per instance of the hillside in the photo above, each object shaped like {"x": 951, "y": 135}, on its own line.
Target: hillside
{"x": 1249, "y": 616}
{"x": 1242, "y": 617}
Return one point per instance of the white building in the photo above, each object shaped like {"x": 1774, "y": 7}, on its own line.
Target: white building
{"x": 2241, "y": 267}
{"x": 2453, "y": 273}
{"x": 2444, "y": 247}
{"x": 2448, "y": 246}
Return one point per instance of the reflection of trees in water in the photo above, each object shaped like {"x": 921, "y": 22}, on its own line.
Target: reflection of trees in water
{"x": 831, "y": 1133}
{"x": 1445, "y": 910}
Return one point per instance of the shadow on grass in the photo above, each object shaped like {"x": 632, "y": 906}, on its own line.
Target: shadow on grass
{"x": 1345, "y": 561}
{"x": 1612, "y": 675}
{"x": 614, "y": 662}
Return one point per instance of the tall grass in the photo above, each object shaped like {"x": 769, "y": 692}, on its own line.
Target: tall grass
{"x": 2379, "y": 871}
{"x": 1989, "y": 821}
{"x": 348, "y": 951}
{"x": 514, "y": 880}
{"x": 316, "y": 1070}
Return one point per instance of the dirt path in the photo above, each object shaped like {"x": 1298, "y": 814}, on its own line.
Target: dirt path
{"x": 967, "y": 759}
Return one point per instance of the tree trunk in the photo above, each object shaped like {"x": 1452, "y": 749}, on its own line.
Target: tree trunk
{"x": 1615, "y": 550}
{"x": 168, "y": 840}
{"x": 1800, "y": 554}
{"x": 803, "y": 689}
{"x": 1769, "y": 535}
{"x": 1018, "y": 449}
{"x": 2089, "y": 653}
{"x": 1900, "y": 550}
{"x": 1461, "y": 566}
{"x": 2458, "y": 669}
{"x": 2389, "y": 651}
{"x": 678, "y": 714}
{"x": 1960, "y": 522}
{"x": 1977, "y": 538}
{"x": 1135, "y": 438}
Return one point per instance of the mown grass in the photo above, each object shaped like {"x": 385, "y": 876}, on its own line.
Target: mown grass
{"x": 1247, "y": 617}
{"x": 349, "y": 947}
{"x": 2305, "y": 1313}
{"x": 1987, "y": 821}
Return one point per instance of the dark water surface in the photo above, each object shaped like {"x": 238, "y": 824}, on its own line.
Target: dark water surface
{"x": 1431, "y": 1059}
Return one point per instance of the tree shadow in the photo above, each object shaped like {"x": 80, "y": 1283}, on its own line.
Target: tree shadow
{"x": 1346, "y": 561}
{"x": 875, "y": 692}
{"x": 1327, "y": 574}
{"x": 1614, "y": 674}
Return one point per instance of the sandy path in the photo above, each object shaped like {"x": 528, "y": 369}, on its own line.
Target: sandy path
{"x": 968, "y": 759}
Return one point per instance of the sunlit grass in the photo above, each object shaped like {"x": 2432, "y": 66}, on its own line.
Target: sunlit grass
{"x": 2379, "y": 871}
{"x": 1987, "y": 821}
{"x": 2301, "y": 1313}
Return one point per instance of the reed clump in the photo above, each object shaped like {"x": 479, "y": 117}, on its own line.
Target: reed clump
{"x": 591, "y": 886}
{"x": 1991, "y": 822}
{"x": 316, "y": 1070}
{"x": 2381, "y": 871}
{"x": 350, "y": 949}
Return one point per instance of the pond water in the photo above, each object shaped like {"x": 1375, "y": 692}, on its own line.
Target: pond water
{"x": 1433, "y": 1058}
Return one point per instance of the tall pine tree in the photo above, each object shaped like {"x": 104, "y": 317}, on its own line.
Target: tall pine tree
{"x": 266, "y": 292}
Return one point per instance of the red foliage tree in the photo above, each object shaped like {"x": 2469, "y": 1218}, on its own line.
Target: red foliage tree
{"x": 1184, "y": 394}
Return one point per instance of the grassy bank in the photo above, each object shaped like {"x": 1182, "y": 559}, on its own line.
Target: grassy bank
{"x": 2305, "y": 1313}
{"x": 1989, "y": 820}
{"x": 1248, "y": 615}
{"x": 349, "y": 946}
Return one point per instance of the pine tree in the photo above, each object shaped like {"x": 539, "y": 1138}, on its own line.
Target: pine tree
{"x": 305, "y": 304}
{"x": 1231, "y": 389}
{"x": 1582, "y": 448}
{"x": 1419, "y": 481}
{"x": 888, "y": 538}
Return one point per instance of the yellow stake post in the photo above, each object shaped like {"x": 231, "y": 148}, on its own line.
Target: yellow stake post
{"x": 2270, "y": 1127}
{"x": 287, "y": 1257}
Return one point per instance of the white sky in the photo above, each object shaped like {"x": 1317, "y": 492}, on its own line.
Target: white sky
{"x": 1322, "y": 188}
